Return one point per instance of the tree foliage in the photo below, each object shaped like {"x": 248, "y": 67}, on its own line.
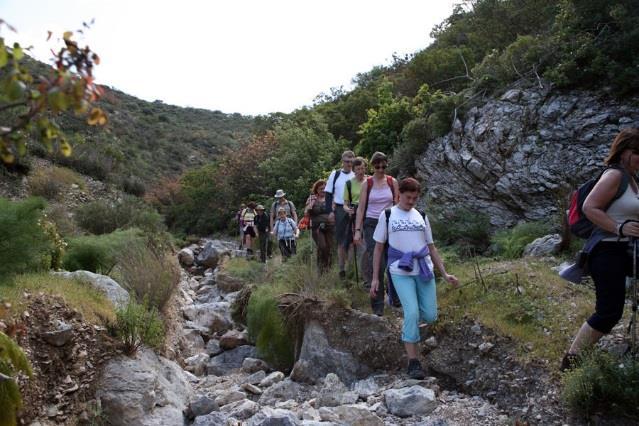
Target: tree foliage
{"x": 29, "y": 101}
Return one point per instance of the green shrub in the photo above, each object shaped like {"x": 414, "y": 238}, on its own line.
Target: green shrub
{"x": 149, "y": 273}
{"x": 51, "y": 182}
{"x": 98, "y": 253}
{"x": 137, "y": 324}
{"x": 103, "y": 217}
{"x": 134, "y": 186}
{"x": 24, "y": 246}
{"x": 510, "y": 243}
{"x": 12, "y": 360}
{"x": 267, "y": 329}
{"x": 603, "y": 382}
{"x": 466, "y": 230}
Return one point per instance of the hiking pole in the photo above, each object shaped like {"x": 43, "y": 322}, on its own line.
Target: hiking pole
{"x": 633, "y": 320}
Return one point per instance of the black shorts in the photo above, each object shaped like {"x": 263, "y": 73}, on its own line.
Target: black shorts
{"x": 343, "y": 227}
{"x": 250, "y": 230}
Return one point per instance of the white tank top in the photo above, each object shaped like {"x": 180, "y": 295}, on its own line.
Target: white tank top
{"x": 624, "y": 208}
{"x": 378, "y": 200}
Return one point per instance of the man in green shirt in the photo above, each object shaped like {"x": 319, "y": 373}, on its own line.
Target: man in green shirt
{"x": 352, "y": 191}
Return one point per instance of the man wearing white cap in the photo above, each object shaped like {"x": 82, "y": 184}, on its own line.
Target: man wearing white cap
{"x": 281, "y": 201}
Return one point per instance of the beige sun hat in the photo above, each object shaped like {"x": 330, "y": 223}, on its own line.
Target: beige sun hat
{"x": 279, "y": 193}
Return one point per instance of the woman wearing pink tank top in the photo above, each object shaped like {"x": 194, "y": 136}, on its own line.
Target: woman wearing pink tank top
{"x": 378, "y": 192}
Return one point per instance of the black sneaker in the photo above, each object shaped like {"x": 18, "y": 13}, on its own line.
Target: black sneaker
{"x": 415, "y": 369}
{"x": 569, "y": 362}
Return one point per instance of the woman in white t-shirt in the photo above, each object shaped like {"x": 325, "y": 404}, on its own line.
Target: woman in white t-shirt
{"x": 411, "y": 256}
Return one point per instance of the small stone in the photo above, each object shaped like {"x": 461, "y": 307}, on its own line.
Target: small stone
{"x": 271, "y": 379}
{"x": 256, "y": 378}
{"x": 486, "y": 347}
{"x": 252, "y": 389}
{"x": 476, "y": 328}
{"x": 431, "y": 342}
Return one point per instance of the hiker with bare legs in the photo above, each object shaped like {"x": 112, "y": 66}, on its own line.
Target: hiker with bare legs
{"x": 334, "y": 204}
{"x": 352, "y": 191}
{"x": 378, "y": 192}
{"x": 411, "y": 257}
{"x": 248, "y": 219}
{"x": 322, "y": 228}
{"x": 613, "y": 207}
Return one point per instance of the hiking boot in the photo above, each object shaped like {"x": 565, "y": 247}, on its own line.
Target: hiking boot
{"x": 342, "y": 275}
{"x": 379, "y": 311}
{"x": 569, "y": 362}
{"x": 415, "y": 369}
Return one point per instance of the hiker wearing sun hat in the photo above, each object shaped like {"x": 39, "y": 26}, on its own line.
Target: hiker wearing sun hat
{"x": 281, "y": 201}
{"x": 263, "y": 226}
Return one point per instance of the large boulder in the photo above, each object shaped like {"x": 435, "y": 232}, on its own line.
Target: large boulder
{"x": 410, "y": 401}
{"x": 209, "y": 257}
{"x": 143, "y": 390}
{"x": 227, "y": 361}
{"x": 543, "y": 246}
{"x": 186, "y": 257}
{"x": 228, "y": 283}
{"x": 111, "y": 289}
{"x": 214, "y": 317}
{"x": 353, "y": 414}
{"x": 317, "y": 359}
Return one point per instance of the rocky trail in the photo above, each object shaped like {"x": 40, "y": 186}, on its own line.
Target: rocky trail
{"x": 349, "y": 370}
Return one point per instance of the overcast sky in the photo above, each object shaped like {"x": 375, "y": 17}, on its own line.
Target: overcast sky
{"x": 246, "y": 56}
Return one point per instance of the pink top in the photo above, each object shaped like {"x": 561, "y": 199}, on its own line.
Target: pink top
{"x": 378, "y": 200}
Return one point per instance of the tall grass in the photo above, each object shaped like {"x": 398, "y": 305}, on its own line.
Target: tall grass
{"x": 148, "y": 272}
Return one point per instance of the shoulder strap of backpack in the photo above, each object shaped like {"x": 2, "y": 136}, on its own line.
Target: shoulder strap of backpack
{"x": 369, "y": 188}
{"x": 389, "y": 182}
{"x": 290, "y": 206}
{"x": 387, "y": 213}
{"x": 337, "y": 173}
{"x": 623, "y": 185}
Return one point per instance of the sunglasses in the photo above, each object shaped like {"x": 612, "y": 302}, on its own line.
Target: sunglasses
{"x": 347, "y": 161}
{"x": 380, "y": 167}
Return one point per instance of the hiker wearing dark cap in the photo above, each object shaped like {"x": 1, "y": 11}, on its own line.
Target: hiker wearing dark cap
{"x": 335, "y": 205}
{"x": 263, "y": 225}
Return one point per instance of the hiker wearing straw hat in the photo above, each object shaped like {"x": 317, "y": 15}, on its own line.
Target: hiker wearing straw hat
{"x": 282, "y": 202}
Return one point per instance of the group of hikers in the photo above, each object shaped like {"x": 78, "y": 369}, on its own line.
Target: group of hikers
{"x": 255, "y": 224}
{"x": 376, "y": 216}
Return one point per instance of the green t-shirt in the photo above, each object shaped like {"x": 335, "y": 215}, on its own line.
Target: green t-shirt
{"x": 356, "y": 188}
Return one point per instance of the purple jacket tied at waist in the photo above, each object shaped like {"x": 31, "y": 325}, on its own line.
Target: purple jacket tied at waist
{"x": 406, "y": 261}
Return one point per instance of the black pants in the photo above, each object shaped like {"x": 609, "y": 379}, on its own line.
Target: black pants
{"x": 377, "y": 304}
{"x": 288, "y": 248}
{"x": 610, "y": 264}
{"x": 264, "y": 237}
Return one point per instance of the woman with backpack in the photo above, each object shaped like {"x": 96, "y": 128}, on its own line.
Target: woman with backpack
{"x": 285, "y": 231}
{"x": 615, "y": 217}
{"x": 411, "y": 257}
{"x": 248, "y": 220}
{"x": 322, "y": 228}
{"x": 378, "y": 192}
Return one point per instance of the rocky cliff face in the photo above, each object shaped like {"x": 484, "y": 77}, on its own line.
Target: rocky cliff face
{"x": 517, "y": 157}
